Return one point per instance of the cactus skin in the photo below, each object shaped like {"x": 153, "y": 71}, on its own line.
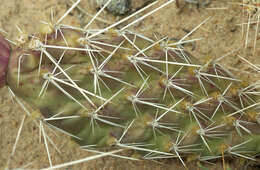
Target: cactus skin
{"x": 180, "y": 109}
{"x": 5, "y": 51}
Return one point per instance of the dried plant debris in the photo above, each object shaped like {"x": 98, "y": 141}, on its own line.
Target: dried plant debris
{"x": 198, "y": 3}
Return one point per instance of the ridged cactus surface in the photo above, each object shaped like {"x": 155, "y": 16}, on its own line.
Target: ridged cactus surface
{"x": 124, "y": 90}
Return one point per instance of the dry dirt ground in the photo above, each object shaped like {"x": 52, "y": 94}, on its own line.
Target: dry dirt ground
{"x": 221, "y": 34}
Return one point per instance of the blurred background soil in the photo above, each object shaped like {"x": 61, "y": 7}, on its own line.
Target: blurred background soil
{"x": 221, "y": 34}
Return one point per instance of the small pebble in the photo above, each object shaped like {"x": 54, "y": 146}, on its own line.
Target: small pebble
{"x": 117, "y": 7}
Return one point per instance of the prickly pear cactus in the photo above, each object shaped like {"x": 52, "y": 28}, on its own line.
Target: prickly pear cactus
{"x": 113, "y": 88}
{"x": 125, "y": 90}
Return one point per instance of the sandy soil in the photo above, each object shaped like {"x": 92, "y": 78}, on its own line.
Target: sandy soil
{"x": 222, "y": 34}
